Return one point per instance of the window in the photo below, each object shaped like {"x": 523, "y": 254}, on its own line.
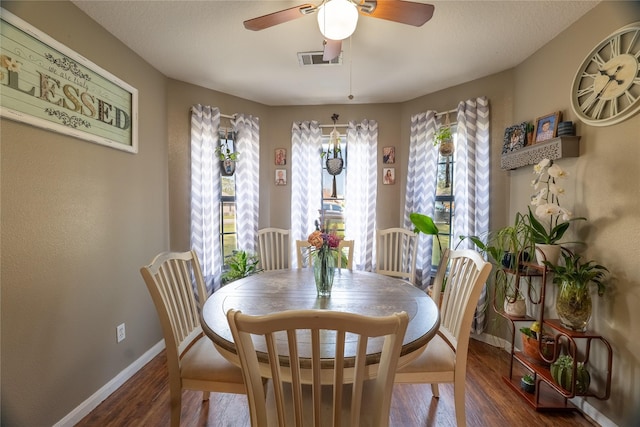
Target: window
{"x": 444, "y": 208}
{"x": 228, "y": 230}
{"x": 332, "y": 213}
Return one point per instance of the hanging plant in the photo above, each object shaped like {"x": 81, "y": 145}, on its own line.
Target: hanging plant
{"x": 226, "y": 155}
{"x": 334, "y": 162}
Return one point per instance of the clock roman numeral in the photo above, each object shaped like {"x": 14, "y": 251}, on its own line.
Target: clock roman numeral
{"x": 597, "y": 109}
{"x": 588, "y": 103}
{"x": 613, "y": 108}
{"x": 633, "y": 41}
{"x": 586, "y": 75}
{"x": 585, "y": 91}
{"x": 598, "y": 60}
{"x": 615, "y": 46}
{"x": 630, "y": 97}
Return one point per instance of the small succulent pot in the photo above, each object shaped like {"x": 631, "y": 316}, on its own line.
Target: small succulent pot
{"x": 528, "y": 384}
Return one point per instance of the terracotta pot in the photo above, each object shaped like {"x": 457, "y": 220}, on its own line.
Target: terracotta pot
{"x": 530, "y": 348}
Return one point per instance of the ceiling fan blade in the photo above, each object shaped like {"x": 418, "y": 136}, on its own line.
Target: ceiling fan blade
{"x": 275, "y": 18}
{"x": 404, "y": 12}
{"x": 332, "y": 49}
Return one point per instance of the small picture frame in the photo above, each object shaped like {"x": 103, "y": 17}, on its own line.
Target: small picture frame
{"x": 388, "y": 176}
{"x": 515, "y": 138}
{"x": 389, "y": 155}
{"x": 547, "y": 126}
{"x": 280, "y": 156}
{"x": 281, "y": 177}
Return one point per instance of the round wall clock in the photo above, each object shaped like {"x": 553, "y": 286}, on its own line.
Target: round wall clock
{"x": 606, "y": 88}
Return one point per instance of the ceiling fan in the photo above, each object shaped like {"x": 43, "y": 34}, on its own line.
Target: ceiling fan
{"x": 337, "y": 19}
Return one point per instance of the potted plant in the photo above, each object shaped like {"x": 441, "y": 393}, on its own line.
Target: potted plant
{"x": 562, "y": 374}
{"x": 227, "y": 157}
{"x": 536, "y": 344}
{"x": 573, "y": 300}
{"x": 238, "y": 265}
{"x": 550, "y": 221}
{"x": 528, "y": 383}
{"x": 506, "y": 248}
{"x": 444, "y": 140}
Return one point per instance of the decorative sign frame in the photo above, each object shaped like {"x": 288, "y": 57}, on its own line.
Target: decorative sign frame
{"x": 45, "y": 84}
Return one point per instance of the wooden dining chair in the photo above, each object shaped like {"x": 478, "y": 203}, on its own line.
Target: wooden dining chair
{"x": 192, "y": 360}
{"x": 274, "y": 246}
{"x": 303, "y": 253}
{"x": 396, "y": 250}
{"x": 348, "y": 245}
{"x": 296, "y": 394}
{"x": 445, "y": 358}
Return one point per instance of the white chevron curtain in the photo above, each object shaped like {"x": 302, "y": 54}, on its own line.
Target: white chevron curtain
{"x": 421, "y": 186}
{"x": 306, "y": 187}
{"x": 471, "y": 188}
{"x": 247, "y": 129}
{"x": 205, "y": 190}
{"x": 361, "y": 191}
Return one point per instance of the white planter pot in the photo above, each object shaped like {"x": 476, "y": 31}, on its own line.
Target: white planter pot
{"x": 517, "y": 308}
{"x": 550, "y": 253}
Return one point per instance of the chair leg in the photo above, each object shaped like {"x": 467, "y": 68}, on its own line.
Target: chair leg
{"x": 459, "y": 400}
{"x": 434, "y": 390}
{"x": 205, "y": 396}
{"x": 176, "y": 406}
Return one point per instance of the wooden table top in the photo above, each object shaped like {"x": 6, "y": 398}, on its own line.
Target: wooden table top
{"x": 353, "y": 291}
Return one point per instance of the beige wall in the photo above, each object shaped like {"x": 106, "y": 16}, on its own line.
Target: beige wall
{"x": 90, "y": 216}
{"x": 603, "y": 186}
{"x": 78, "y": 221}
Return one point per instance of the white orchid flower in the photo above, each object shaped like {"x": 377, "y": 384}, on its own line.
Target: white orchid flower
{"x": 555, "y": 189}
{"x": 556, "y": 171}
{"x": 547, "y": 210}
{"x": 540, "y": 166}
{"x": 566, "y": 214}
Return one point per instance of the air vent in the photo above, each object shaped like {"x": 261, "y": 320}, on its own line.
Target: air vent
{"x": 315, "y": 58}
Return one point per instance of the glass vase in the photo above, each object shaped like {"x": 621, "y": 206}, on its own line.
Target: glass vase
{"x": 324, "y": 268}
{"x": 573, "y": 305}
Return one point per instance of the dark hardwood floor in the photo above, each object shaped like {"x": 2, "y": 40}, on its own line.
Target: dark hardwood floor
{"x": 144, "y": 401}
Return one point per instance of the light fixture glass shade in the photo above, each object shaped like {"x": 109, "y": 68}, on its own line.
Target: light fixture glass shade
{"x": 337, "y": 19}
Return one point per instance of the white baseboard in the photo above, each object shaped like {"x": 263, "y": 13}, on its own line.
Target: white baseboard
{"x": 579, "y": 402}
{"x": 73, "y": 417}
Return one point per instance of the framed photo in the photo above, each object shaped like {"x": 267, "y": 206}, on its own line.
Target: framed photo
{"x": 281, "y": 156}
{"x": 547, "y": 126}
{"x": 515, "y": 138}
{"x": 389, "y": 155}
{"x": 388, "y": 176}
{"x": 281, "y": 177}
{"x": 44, "y": 83}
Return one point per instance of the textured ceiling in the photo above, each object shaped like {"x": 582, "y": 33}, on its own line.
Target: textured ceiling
{"x": 205, "y": 43}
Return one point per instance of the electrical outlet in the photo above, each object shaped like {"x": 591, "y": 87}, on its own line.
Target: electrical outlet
{"x": 120, "y": 332}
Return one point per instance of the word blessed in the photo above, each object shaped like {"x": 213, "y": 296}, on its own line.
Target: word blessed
{"x": 72, "y": 98}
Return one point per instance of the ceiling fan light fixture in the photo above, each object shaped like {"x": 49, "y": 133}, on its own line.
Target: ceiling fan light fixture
{"x": 337, "y": 19}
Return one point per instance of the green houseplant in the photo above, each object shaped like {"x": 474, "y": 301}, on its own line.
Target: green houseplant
{"x": 562, "y": 373}
{"x": 573, "y": 300}
{"x": 238, "y": 265}
{"x": 506, "y": 248}
{"x": 549, "y": 222}
{"x": 227, "y": 157}
{"x": 444, "y": 140}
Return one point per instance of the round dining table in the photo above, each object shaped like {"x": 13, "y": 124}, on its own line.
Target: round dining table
{"x": 358, "y": 292}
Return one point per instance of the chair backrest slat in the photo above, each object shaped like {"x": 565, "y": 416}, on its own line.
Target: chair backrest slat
{"x": 311, "y": 328}
{"x": 274, "y": 248}
{"x": 396, "y": 250}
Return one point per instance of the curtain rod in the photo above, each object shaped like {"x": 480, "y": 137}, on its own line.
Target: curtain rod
{"x": 442, "y": 113}
{"x": 330, "y": 126}
{"x": 226, "y": 116}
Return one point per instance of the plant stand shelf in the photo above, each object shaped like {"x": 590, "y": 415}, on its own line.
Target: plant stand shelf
{"x": 548, "y": 395}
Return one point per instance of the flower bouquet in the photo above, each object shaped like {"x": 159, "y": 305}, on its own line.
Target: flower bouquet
{"x": 324, "y": 253}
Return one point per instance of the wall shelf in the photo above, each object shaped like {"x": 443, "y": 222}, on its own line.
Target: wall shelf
{"x": 556, "y": 148}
